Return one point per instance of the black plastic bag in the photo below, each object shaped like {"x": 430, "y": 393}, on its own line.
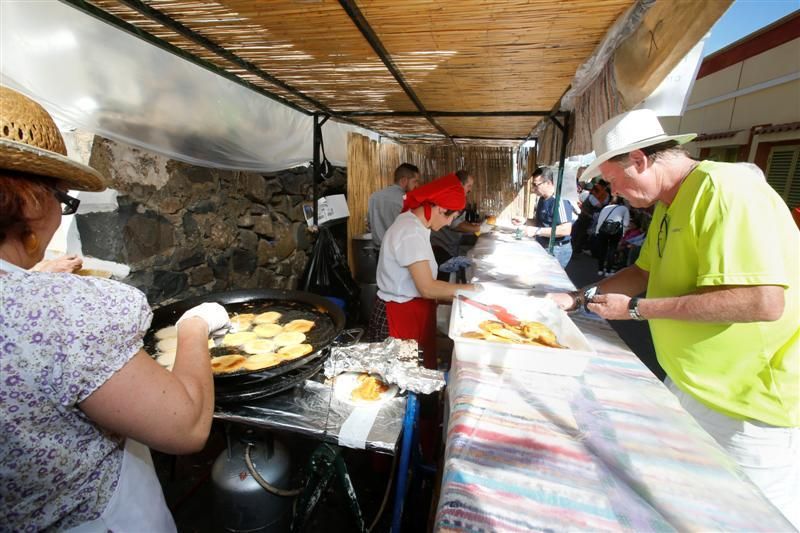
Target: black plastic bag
{"x": 329, "y": 275}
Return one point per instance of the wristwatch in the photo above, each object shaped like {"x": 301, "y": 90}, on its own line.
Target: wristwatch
{"x": 633, "y": 309}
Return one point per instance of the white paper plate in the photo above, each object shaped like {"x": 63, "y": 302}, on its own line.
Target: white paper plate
{"x": 345, "y": 383}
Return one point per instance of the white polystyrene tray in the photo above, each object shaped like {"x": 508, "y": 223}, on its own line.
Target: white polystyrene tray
{"x": 566, "y": 362}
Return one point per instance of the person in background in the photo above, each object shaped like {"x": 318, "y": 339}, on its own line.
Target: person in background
{"x": 631, "y": 243}
{"x": 546, "y": 212}
{"x": 387, "y": 203}
{"x": 591, "y": 205}
{"x": 405, "y": 307}
{"x": 611, "y": 224}
{"x": 70, "y": 264}
{"x": 446, "y": 240}
{"x": 720, "y": 268}
{"x": 79, "y": 394}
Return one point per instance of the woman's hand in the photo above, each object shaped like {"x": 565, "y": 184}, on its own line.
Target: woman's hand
{"x": 65, "y": 264}
{"x": 518, "y": 221}
{"x": 212, "y": 313}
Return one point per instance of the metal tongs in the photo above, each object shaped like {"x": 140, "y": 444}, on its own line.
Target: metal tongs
{"x": 500, "y": 312}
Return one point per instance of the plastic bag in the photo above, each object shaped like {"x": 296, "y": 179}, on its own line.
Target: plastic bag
{"x": 329, "y": 275}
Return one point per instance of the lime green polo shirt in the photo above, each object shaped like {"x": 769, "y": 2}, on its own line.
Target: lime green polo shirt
{"x": 727, "y": 226}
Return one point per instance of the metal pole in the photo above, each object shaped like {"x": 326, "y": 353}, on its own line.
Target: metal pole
{"x": 409, "y": 421}
{"x": 319, "y": 120}
{"x": 564, "y": 133}
{"x": 317, "y": 138}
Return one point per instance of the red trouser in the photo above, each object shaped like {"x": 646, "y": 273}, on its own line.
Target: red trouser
{"x": 415, "y": 319}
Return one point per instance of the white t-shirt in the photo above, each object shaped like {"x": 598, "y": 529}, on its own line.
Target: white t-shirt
{"x": 406, "y": 242}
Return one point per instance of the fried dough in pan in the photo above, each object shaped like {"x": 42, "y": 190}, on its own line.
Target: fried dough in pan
{"x": 303, "y": 326}
{"x": 294, "y": 351}
{"x": 227, "y": 363}
{"x": 169, "y": 332}
{"x": 242, "y": 322}
{"x": 167, "y": 345}
{"x": 261, "y": 361}
{"x": 289, "y": 338}
{"x": 259, "y": 346}
{"x": 270, "y": 317}
{"x": 267, "y": 330}
{"x": 237, "y": 339}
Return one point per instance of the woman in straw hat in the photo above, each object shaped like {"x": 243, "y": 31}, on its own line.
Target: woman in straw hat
{"x": 405, "y": 307}
{"x": 77, "y": 388}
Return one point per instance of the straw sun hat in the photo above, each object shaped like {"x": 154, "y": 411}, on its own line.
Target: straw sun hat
{"x": 627, "y": 132}
{"x": 30, "y": 142}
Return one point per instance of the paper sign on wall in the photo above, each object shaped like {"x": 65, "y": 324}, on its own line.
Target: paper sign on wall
{"x": 329, "y": 208}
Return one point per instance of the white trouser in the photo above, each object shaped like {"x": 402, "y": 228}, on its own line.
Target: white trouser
{"x": 769, "y": 455}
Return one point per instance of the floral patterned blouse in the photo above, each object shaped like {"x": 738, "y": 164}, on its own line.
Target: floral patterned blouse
{"x": 61, "y": 337}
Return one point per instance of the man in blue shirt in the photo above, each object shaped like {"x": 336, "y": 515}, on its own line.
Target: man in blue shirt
{"x": 545, "y": 213}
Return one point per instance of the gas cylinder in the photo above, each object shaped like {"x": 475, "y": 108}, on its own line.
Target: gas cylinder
{"x": 240, "y": 503}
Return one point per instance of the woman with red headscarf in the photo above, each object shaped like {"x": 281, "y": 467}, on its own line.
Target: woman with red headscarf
{"x": 407, "y": 286}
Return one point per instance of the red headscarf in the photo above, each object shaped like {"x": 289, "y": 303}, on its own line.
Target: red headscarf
{"x": 446, "y": 192}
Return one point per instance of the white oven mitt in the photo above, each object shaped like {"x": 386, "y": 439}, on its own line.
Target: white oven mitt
{"x": 213, "y": 313}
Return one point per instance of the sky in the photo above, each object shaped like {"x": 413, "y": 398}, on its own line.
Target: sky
{"x": 745, "y": 17}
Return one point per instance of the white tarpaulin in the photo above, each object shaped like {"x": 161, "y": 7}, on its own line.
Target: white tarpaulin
{"x": 670, "y": 98}
{"x": 96, "y": 77}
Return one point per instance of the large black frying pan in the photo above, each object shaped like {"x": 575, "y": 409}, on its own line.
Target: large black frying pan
{"x": 327, "y": 317}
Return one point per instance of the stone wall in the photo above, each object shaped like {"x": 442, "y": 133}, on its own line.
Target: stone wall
{"x": 187, "y": 230}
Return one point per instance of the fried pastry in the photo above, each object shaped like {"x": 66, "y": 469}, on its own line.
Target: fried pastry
{"x": 166, "y": 359}
{"x": 262, "y": 360}
{"x": 370, "y": 388}
{"x": 270, "y": 317}
{"x": 508, "y": 334}
{"x": 303, "y": 326}
{"x": 237, "y": 339}
{"x": 294, "y": 351}
{"x": 267, "y": 330}
{"x": 169, "y": 332}
{"x": 167, "y": 345}
{"x": 529, "y": 333}
{"x": 227, "y": 363}
{"x": 242, "y": 322}
{"x": 289, "y": 338}
{"x": 491, "y": 325}
{"x": 540, "y": 333}
{"x": 259, "y": 346}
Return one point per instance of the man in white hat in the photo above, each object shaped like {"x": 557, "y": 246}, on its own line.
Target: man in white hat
{"x": 720, "y": 271}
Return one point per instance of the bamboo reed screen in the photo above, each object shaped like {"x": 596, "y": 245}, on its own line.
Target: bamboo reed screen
{"x": 371, "y": 165}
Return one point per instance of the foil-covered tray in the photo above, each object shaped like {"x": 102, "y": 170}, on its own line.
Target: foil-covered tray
{"x": 396, "y": 361}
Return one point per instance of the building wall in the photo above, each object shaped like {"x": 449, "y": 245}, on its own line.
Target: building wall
{"x": 770, "y": 105}
{"x": 179, "y": 230}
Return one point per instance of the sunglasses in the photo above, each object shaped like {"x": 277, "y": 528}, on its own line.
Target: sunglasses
{"x": 70, "y": 203}
{"x": 662, "y": 235}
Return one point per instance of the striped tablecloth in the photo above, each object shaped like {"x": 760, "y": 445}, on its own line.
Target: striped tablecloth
{"x": 609, "y": 450}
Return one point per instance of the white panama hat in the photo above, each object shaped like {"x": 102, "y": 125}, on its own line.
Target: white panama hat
{"x": 625, "y": 133}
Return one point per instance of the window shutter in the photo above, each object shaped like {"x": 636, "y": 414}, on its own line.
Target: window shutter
{"x": 782, "y": 173}
{"x": 793, "y": 187}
